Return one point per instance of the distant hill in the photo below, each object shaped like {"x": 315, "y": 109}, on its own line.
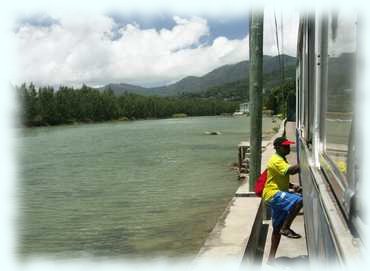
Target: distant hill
{"x": 122, "y": 87}
{"x": 239, "y": 90}
{"x": 220, "y": 76}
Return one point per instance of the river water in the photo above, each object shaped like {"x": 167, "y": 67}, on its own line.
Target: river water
{"x": 141, "y": 188}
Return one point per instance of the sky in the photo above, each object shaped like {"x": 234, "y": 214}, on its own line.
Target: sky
{"x": 146, "y": 49}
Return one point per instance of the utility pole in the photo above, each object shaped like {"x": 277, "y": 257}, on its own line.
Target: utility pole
{"x": 255, "y": 94}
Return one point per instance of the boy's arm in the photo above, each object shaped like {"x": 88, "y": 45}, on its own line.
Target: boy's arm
{"x": 293, "y": 170}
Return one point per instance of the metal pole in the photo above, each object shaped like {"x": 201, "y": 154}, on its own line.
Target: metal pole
{"x": 255, "y": 94}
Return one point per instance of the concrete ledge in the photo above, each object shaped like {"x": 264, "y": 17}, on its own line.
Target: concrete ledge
{"x": 256, "y": 243}
{"x": 240, "y": 232}
{"x": 229, "y": 237}
{"x": 289, "y": 248}
{"x": 245, "y": 194}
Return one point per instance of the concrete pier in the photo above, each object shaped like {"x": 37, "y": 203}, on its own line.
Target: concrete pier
{"x": 236, "y": 230}
{"x": 229, "y": 237}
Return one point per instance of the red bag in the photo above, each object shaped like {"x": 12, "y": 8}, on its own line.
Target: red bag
{"x": 260, "y": 183}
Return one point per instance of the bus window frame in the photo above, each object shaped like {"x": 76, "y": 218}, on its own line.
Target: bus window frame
{"x": 306, "y": 74}
{"x": 343, "y": 190}
{"x": 357, "y": 199}
{"x": 300, "y": 79}
{"x": 305, "y": 101}
{"x": 311, "y": 76}
{"x": 341, "y": 185}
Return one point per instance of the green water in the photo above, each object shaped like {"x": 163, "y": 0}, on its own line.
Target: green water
{"x": 142, "y": 188}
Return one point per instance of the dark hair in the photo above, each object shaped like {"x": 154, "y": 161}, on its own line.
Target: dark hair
{"x": 279, "y": 140}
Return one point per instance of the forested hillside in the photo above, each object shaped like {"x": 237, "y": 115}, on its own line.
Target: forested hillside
{"x": 239, "y": 90}
{"x": 218, "y": 77}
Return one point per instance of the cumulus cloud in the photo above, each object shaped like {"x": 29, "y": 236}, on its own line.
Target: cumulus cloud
{"x": 288, "y": 20}
{"x": 88, "y": 50}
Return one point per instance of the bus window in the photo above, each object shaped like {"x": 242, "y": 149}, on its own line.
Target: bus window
{"x": 299, "y": 78}
{"x": 340, "y": 86}
{"x": 307, "y": 84}
{"x": 311, "y": 78}
{"x": 304, "y": 85}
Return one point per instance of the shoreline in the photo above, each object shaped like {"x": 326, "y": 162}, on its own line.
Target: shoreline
{"x": 77, "y": 123}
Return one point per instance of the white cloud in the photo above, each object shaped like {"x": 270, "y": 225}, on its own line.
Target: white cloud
{"x": 80, "y": 49}
{"x": 289, "y": 19}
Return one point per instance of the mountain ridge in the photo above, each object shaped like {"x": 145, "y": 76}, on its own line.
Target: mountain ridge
{"x": 194, "y": 84}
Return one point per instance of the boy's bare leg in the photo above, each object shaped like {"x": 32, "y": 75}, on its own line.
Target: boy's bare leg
{"x": 275, "y": 240}
{"x": 288, "y": 221}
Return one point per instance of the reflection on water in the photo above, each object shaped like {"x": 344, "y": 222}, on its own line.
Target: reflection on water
{"x": 135, "y": 188}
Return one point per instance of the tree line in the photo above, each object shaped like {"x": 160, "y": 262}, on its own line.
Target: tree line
{"x": 234, "y": 91}
{"x": 279, "y": 99}
{"x": 46, "y": 106}
{"x": 275, "y": 97}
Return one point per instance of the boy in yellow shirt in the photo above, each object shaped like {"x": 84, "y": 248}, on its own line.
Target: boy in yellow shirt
{"x": 284, "y": 205}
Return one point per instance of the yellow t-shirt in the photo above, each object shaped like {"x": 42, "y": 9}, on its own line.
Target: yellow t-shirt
{"x": 277, "y": 179}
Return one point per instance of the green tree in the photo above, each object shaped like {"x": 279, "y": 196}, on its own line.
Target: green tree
{"x": 276, "y": 98}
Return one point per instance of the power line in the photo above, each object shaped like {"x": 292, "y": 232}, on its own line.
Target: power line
{"x": 277, "y": 41}
{"x": 282, "y": 46}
